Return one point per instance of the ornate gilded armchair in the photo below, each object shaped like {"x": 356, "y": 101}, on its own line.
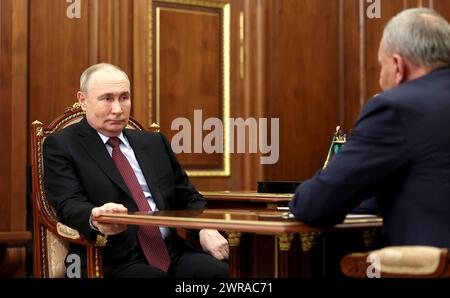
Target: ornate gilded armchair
{"x": 51, "y": 238}
{"x": 398, "y": 262}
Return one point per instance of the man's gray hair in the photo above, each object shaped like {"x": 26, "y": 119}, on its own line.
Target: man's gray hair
{"x": 420, "y": 35}
{"x": 87, "y": 74}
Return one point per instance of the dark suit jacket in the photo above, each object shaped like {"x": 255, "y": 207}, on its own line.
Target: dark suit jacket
{"x": 399, "y": 152}
{"x": 80, "y": 174}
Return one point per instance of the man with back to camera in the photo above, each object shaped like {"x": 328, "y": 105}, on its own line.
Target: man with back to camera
{"x": 97, "y": 166}
{"x": 399, "y": 150}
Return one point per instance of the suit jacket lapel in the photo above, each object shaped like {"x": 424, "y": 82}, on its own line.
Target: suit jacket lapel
{"x": 145, "y": 161}
{"x": 98, "y": 152}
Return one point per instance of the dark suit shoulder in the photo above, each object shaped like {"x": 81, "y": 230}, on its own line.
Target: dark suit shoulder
{"x": 433, "y": 84}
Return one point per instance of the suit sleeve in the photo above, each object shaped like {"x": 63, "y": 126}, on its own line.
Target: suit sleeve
{"x": 375, "y": 151}
{"x": 187, "y": 197}
{"x": 63, "y": 188}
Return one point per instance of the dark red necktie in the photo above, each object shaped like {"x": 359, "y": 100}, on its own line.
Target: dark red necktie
{"x": 150, "y": 238}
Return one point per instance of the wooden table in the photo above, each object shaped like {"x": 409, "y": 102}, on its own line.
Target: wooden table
{"x": 236, "y": 223}
{"x": 245, "y": 199}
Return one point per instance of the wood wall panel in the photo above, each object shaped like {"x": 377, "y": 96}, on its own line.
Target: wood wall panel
{"x": 59, "y": 52}
{"x": 197, "y": 89}
{"x": 303, "y": 66}
{"x": 140, "y": 64}
{"x": 311, "y": 63}
{"x": 344, "y": 76}
{"x": 190, "y": 74}
{"x": 5, "y": 110}
{"x": 13, "y": 109}
{"x": 372, "y": 36}
{"x": 443, "y": 7}
{"x": 13, "y": 121}
{"x": 353, "y": 79}
{"x": 102, "y": 34}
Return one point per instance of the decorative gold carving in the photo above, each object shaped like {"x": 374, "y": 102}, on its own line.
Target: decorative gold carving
{"x": 76, "y": 106}
{"x": 308, "y": 240}
{"x": 155, "y": 127}
{"x": 284, "y": 241}
{"x": 241, "y": 45}
{"x": 150, "y": 62}
{"x": 43, "y": 252}
{"x": 43, "y": 201}
{"x": 234, "y": 238}
{"x": 272, "y": 206}
{"x": 226, "y": 50}
{"x": 38, "y": 128}
{"x": 101, "y": 240}
{"x": 369, "y": 236}
{"x": 66, "y": 231}
{"x": 63, "y": 122}
{"x": 97, "y": 263}
{"x": 39, "y": 132}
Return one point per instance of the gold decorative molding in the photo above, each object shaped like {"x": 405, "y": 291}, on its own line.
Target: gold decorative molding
{"x": 155, "y": 127}
{"x": 101, "y": 240}
{"x": 76, "y": 106}
{"x": 67, "y": 232}
{"x": 43, "y": 201}
{"x": 272, "y": 206}
{"x": 308, "y": 240}
{"x": 43, "y": 252}
{"x": 234, "y": 238}
{"x": 241, "y": 45}
{"x": 224, "y": 12}
{"x": 369, "y": 236}
{"x": 97, "y": 262}
{"x": 285, "y": 241}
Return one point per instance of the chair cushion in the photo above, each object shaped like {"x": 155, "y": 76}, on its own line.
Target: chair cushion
{"x": 414, "y": 260}
{"x": 57, "y": 251}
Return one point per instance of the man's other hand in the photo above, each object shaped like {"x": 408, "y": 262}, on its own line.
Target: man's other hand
{"x": 107, "y": 228}
{"x": 214, "y": 243}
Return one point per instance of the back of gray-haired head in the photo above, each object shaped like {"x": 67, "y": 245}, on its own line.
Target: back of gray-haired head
{"x": 87, "y": 74}
{"x": 420, "y": 35}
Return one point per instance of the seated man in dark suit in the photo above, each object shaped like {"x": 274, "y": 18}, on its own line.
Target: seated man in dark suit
{"x": 399, "y": 150}
{"x": 97, "y": 166}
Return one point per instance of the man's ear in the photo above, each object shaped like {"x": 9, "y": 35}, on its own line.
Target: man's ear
{"x": 400, "y": 69}
{"x": 82, "y": 99}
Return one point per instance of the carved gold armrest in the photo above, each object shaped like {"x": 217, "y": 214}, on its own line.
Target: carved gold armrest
{"x": 67, "y": 232}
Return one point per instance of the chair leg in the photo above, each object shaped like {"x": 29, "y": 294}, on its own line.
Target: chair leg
{"x": 94, "y": 262}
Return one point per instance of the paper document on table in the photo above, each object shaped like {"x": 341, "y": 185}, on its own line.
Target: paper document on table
{"x": 355, "y": 216}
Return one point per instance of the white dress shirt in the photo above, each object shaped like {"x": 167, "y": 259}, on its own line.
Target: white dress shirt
{"x": 129, "y": 154}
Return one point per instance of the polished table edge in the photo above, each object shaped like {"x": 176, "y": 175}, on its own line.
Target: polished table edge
{"x": 247, "y": 196}
{"x": 270, "y": 227}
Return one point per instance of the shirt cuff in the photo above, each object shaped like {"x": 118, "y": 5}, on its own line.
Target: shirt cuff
{"x": 92, "y": 225}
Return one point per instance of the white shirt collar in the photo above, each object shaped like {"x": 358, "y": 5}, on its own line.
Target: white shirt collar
{"x": 122, "y": 138}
